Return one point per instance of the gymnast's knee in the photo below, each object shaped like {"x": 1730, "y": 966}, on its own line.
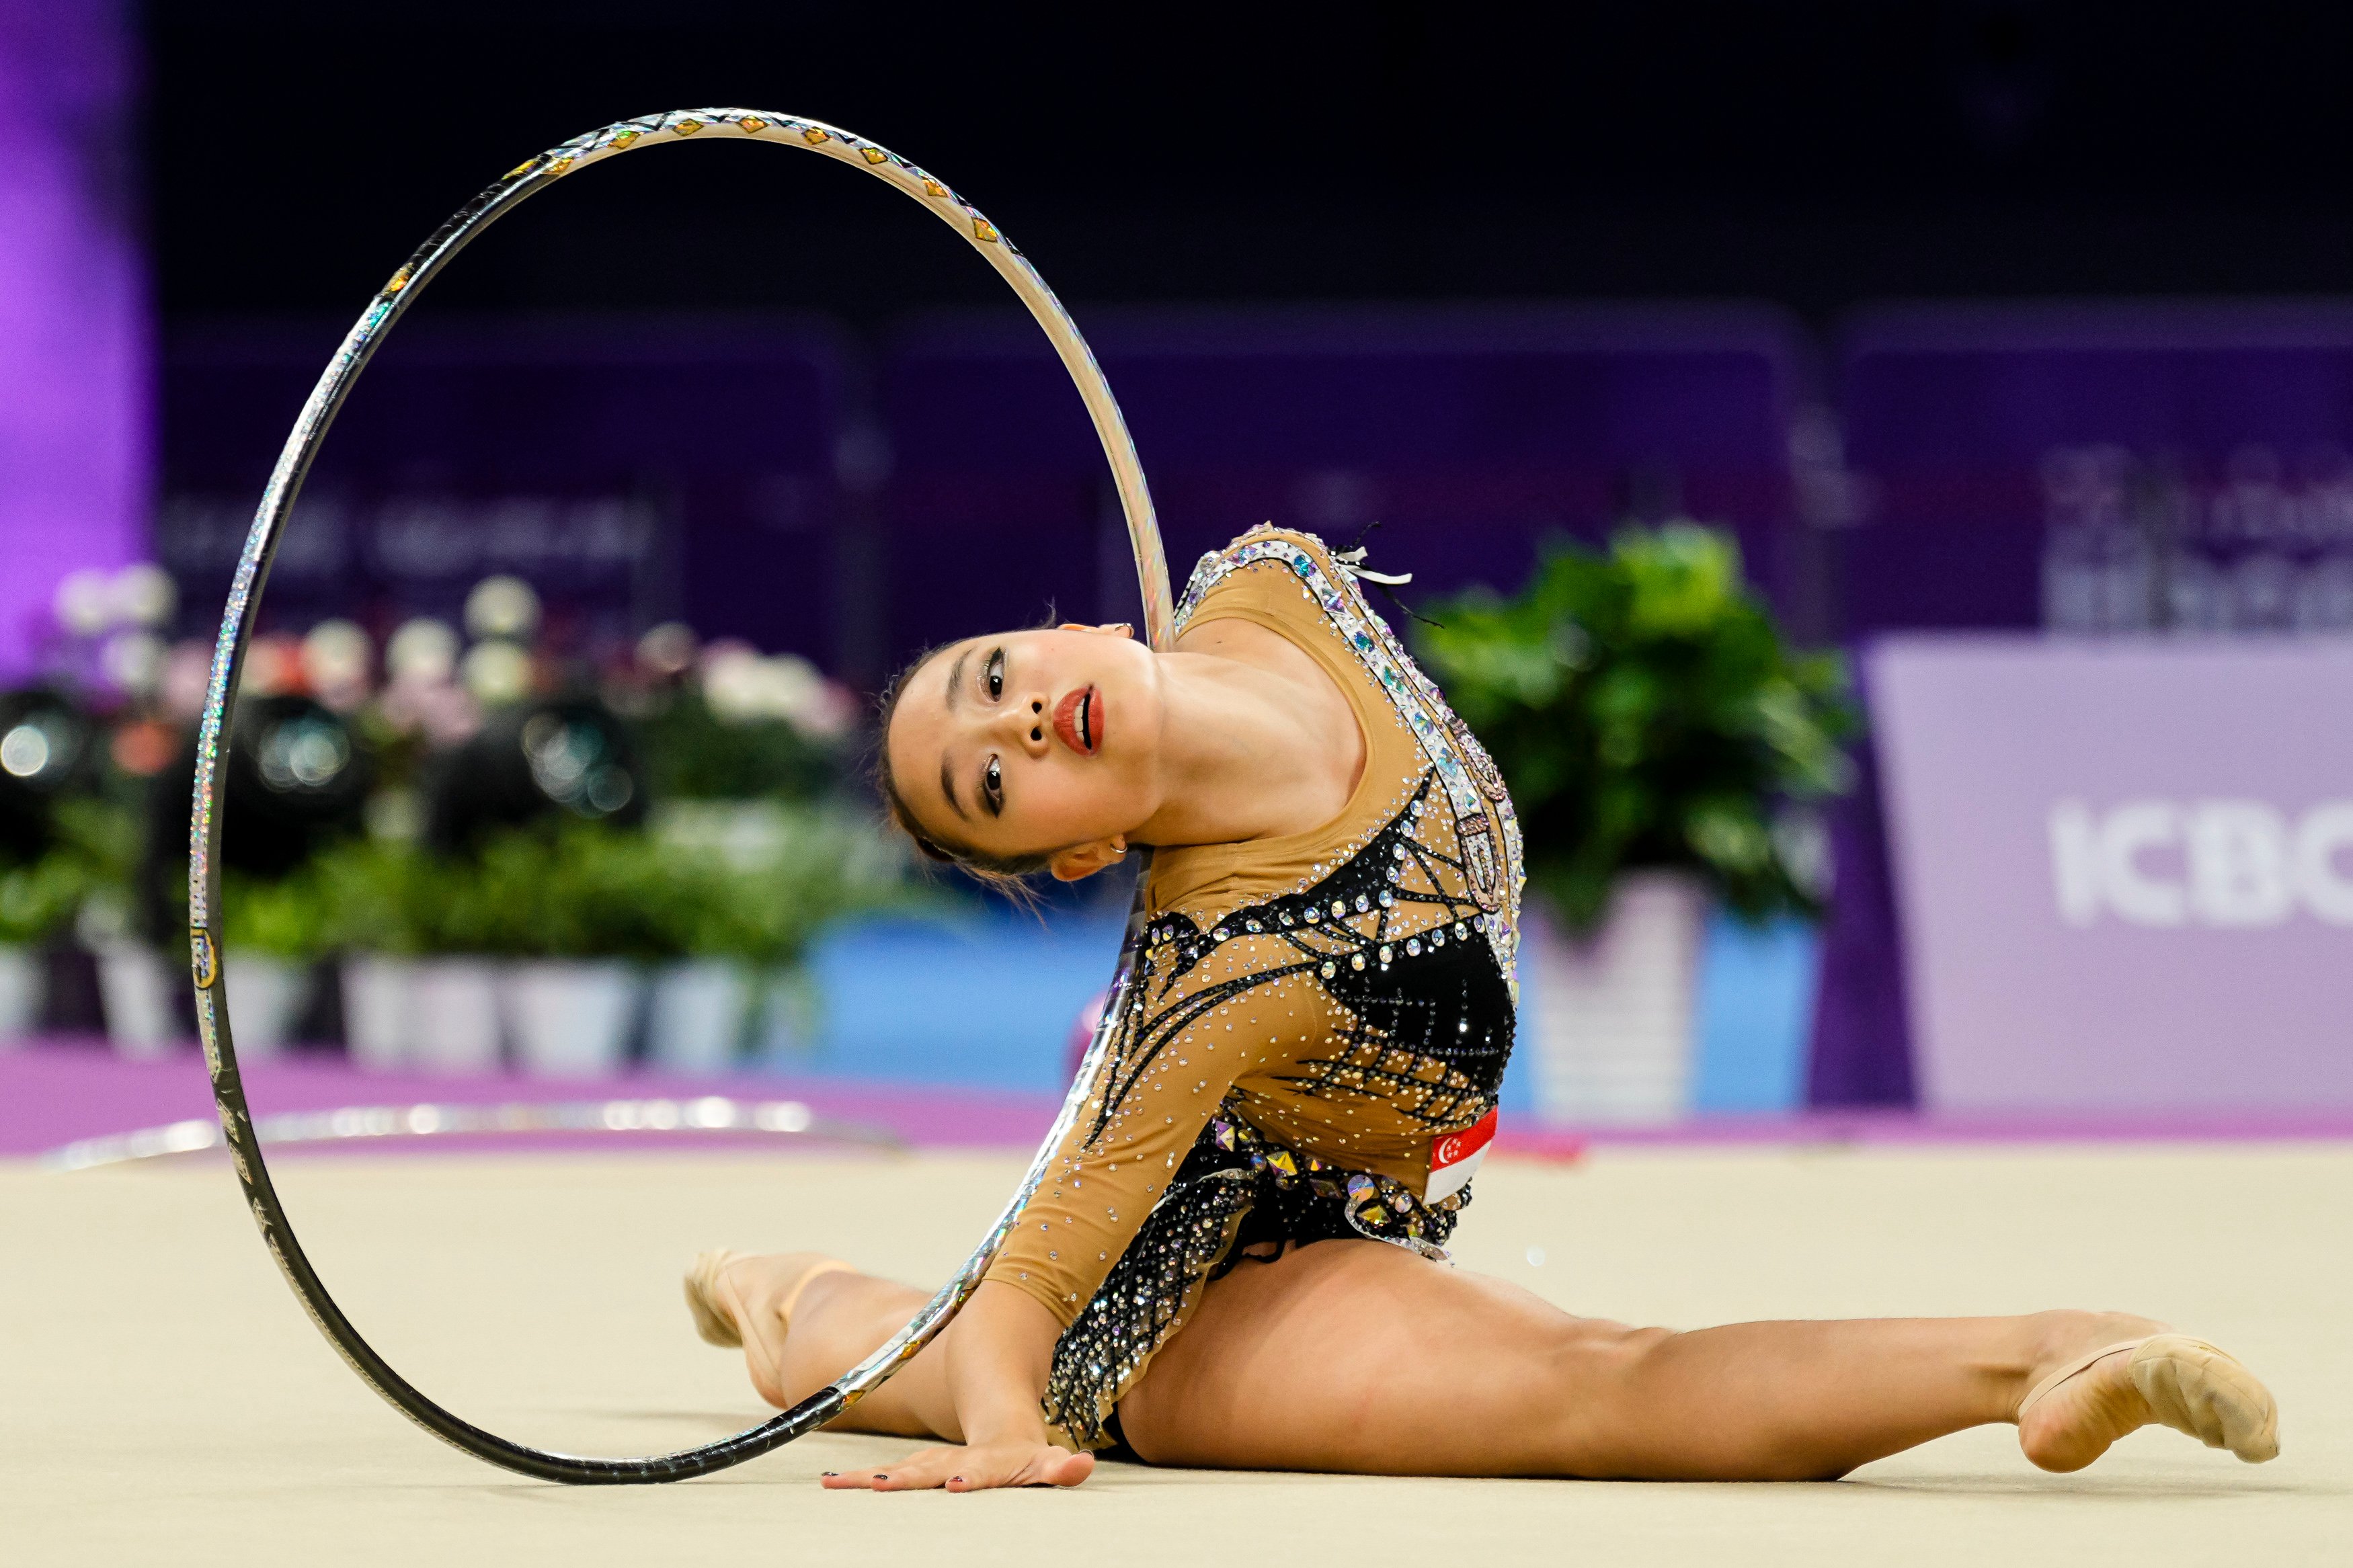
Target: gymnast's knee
{"x": 1593, "y": 1376}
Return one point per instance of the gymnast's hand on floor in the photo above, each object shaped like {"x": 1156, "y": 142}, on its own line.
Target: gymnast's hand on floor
{"x": 974, "y": 1468}
{"x": 996, "y": 1355}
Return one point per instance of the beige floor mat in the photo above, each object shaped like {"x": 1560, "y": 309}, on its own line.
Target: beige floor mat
{"x": 166, "y": 1402}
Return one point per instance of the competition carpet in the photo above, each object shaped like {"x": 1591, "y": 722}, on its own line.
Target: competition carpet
{"x": 166, "y": 1401}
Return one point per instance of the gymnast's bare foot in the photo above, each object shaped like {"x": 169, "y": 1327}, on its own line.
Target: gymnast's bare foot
{"x": 747, "y": 1299}
{"x": 2105, "y": 1374}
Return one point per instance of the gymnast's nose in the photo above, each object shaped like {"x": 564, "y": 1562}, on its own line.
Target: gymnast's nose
{"x": 1026, "y": 724}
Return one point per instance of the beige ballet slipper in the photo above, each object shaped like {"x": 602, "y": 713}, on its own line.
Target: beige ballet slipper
{"x": 2195, "y": 1388}
{"x": 2191, "y": 1387}
{"x": 713, "y": 1323}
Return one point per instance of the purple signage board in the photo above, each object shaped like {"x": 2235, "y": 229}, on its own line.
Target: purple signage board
{"x": 2124, "y": 869}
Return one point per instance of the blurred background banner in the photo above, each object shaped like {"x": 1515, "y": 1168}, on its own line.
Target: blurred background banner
{"x": 632, "y": 470}
{"x": 75, "y": 332}
{"x": 1470, "y": 436}
{"x": 2125, "y": 872}
{"x": 2103, "y": 468}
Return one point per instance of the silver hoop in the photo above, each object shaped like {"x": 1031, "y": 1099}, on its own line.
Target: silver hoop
{"x": 347, "y": 1125}
{"x": 294, "y": 461}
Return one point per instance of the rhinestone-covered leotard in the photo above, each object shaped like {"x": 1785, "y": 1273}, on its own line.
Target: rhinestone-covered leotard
{"x": 1313, "y": 1018}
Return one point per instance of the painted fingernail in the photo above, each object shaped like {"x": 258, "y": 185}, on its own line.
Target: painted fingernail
{"x": 882, "y": 1477}
{"x": 955, "y": 1480}
{"x": 833, "y": 1473}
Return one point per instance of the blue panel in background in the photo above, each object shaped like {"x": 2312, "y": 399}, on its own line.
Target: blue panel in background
{"x": 989, "y": 1000}
{"x": 1756, "y": 1016}
{"x": 983, "y": 1001}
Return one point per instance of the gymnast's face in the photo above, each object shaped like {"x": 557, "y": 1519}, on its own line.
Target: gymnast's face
{"x": 1037, "y": 743}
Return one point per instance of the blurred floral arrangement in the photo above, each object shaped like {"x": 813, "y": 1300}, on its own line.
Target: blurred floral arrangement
{"x": 464, "y": 790}
{"x": 1646, "y": 711}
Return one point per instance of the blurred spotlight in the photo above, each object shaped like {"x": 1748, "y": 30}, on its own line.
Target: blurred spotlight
{"x": 570, "y": 755}
{"x": 45, "y": 745}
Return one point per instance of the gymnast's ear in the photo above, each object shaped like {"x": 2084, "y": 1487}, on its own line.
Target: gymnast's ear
{"x": 1081, "y": 861}
{"x": 1115, "y": 629}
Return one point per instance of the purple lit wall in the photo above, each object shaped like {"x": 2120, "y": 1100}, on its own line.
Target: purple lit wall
{"x": 74, "y": 333}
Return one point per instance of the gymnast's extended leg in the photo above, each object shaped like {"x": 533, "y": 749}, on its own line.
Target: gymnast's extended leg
{"x": 1351, "y": 1355}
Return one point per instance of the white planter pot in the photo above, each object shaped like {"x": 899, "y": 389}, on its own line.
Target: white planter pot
{"x": 134, "y": 988}
{"x": 570, "y": 1018}
{"x": 694, "y": 1020}
{"x": 790, "y": 1009}
{"x": 22, "y": 982}
{"x": 265, "y": 996}
{"x": 454, "y": 1015}
{"x": 1613, "y": 1013}
{"x": 379, "y": 1006}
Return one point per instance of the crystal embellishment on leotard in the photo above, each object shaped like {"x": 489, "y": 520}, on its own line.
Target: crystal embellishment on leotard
{"x": 1473, "y": 788}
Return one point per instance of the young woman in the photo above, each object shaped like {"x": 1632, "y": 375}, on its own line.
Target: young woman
{"x": 1236, "y": 1258}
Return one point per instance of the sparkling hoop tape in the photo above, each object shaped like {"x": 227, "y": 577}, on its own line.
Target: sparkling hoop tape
{"x": 238, "y": 619}
{"x": 369, "y": 1123}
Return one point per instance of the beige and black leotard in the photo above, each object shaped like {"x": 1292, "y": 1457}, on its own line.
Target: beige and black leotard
{"x": 1317, "y": 1023}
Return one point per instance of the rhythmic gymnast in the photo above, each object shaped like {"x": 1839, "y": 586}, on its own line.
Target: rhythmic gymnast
{"x": 1235, "y": 1259}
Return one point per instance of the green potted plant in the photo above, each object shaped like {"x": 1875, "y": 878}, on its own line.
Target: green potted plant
{"x": 272, "y": 934}
{"x": 370, "y": 896}
{"x": 752, "y": 888}
{"x": 1657, "y": 731}
{"x": 573, "y": 910}
{"x": 38, "y": 902}
{"x": 139, "y": 985}
{"x": 418, "y": 934}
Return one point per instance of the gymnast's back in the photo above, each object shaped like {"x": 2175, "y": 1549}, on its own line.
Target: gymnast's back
{"x": 1317, "y": 1023}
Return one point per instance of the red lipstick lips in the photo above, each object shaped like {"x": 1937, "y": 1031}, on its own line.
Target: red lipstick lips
{"x": 1079, "y": 720}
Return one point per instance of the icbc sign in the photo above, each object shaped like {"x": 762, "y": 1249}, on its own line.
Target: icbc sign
{"x": 2124, "y": 870}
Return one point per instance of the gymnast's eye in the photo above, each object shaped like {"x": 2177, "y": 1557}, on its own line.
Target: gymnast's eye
{"x": 992, "y": 787}
{"x": 994, "y": 675}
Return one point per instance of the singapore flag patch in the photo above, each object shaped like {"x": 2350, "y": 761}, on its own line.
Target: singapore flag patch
{"x": 1454, "y": 1157}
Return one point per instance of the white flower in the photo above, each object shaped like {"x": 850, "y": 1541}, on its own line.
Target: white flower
{"x": 423, "y": 651}
{"x": 143, "y": 595}
{"x": 133, "y": 662}
{"x": 337, "y": 657}
{"x": 503, "y": 607}
{"x": 496, "y": 673}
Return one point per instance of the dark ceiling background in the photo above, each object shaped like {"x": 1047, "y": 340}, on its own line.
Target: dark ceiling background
{"x": 1816, "y": 155}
